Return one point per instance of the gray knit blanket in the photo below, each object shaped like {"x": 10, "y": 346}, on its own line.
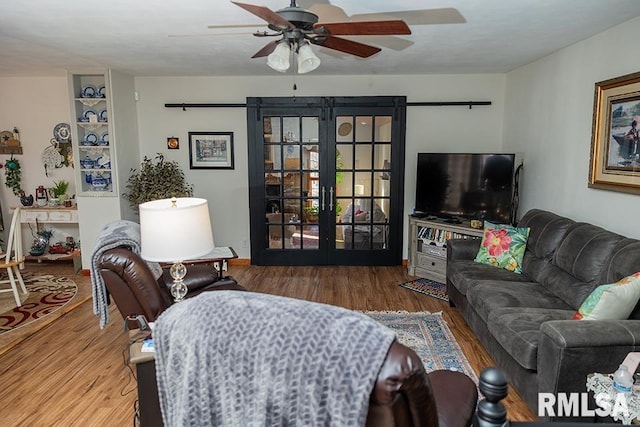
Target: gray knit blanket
{"x": 229, "y": 358}
{"x": 112, "y": 235}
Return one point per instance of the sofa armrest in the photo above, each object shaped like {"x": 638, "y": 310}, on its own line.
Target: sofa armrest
{"x": 462, "y": 249}
{"x": 569, "y": 350}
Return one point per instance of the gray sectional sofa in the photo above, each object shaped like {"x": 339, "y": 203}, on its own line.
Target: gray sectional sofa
{"x": 525, "y": 320}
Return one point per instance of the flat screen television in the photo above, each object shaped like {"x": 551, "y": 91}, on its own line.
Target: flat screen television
{"x": 465, "y": 186}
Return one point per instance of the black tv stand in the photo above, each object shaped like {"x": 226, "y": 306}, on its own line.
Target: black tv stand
{"x": 421, "y": 215}
{"x": 452, "y": 221}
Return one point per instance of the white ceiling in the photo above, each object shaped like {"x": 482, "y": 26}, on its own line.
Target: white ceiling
{"x": 170, "y": 37}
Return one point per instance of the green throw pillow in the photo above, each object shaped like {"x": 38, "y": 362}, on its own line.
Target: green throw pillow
{"x": 503, "y": 246}
{"x": 613, "y": 301}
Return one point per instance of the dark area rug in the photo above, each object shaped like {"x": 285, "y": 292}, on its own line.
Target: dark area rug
{"x": 428, "y": 287}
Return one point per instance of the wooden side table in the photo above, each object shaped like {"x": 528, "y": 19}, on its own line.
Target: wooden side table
{"x": 148, "y": 402}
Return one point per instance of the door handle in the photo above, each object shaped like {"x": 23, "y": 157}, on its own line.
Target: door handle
{"x": 324, "y": 190}
{"x": 331, "y": 199}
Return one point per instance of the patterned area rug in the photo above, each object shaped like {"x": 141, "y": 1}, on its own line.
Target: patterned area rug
{"x": 429, "y": 336}
{"x": 428, "y": 287}
{"x": 47, "y": 294}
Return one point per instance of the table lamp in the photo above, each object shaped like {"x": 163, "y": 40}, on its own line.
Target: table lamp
{"x": 175, "y": 230}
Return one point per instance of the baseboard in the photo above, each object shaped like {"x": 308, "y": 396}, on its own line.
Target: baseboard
{"x": 236, "y": 261}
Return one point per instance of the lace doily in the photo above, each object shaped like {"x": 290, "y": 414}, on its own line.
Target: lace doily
{"x": 599, "y": 383}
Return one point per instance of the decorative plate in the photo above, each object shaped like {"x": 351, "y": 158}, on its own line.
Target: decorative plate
{"x": 104, "y": 139}
{"x": 90, "y": 139}
{"x": 102, "y": 117}
{"x": 87, "y": 113}
{"x": 62, "y": 132}
{"x": 5, "y": 136}
{"x": 101, "y": 92}
{"x": 345, "y": 129}
{"x": 51, "y": 158}
{"x": 88, "y": 91}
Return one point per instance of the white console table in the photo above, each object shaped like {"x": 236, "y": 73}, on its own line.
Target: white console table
{"x": 48, "y": 215}
{"x": 30, "y": 214}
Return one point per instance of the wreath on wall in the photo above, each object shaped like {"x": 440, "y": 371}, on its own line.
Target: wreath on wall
{"x": 13, "y": 175}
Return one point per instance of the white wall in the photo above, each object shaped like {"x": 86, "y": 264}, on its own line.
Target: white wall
{"x": 449, "y": 129}
{"x": 34, "y": 105}
{"x": 548, "y": 116}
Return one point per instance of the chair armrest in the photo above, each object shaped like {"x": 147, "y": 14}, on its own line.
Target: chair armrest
{"x": 462, "y": 249}
{"x": 198, "y": 276}
{"x": 402, "y": 391}
{"x": 569, "y": 350}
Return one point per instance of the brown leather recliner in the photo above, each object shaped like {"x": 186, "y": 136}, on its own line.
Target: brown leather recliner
{"x": 404, "y": 394}
{"x": 136, "y": 292}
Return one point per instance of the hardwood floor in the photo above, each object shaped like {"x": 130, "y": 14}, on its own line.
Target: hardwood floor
{"x": 71, "y": 373}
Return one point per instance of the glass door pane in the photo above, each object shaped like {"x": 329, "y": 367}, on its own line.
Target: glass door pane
{"x": 292, "y": 174}
{"x": 363, "y": 168}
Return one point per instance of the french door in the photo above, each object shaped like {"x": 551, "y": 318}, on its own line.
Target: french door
{"x": 326, "y": 180}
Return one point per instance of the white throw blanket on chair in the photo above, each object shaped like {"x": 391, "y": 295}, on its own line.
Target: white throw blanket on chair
{"x": 229, "y": 358}
{"x": 114, "y": 234}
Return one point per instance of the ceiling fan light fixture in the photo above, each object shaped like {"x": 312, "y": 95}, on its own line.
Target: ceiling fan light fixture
{"x": 307, "y": 60}
{"x": 279, "y": 58}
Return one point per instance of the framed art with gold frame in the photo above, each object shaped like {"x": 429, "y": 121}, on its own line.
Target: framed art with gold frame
{"x": 615, "y": 145}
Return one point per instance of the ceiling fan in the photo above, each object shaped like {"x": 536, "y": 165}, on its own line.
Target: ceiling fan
{"x": 298, "y": 28}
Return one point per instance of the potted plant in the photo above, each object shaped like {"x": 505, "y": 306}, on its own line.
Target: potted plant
{"x": 156, "y": 179}
{"x": 58, "y": 193}
{"x": 311, "y": 214}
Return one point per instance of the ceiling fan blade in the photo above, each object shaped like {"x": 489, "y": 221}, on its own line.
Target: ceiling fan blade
{"x": 366, "y": 28}
{"x": 215, "y": 27}
{"x": 348, "y": 46}
{"x": 447, "y": 15}
{"x": 266, "y": 50}
{"x": 267, "y": 14}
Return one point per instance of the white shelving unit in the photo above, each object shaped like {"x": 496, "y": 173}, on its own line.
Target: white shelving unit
{"x": 98, "y": 191}
{"x": 93, "y": 141}
{"x": 428, "y": 246}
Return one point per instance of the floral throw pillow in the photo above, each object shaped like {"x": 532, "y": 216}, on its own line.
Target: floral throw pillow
{"x": 613, "y": 301}
{"x": 503, "y": 246}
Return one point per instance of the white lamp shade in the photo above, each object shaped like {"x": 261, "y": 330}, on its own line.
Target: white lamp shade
{"x": 307, "y": 60}
{"x": 175, "y": 229}
{"x": 279, "y": 58}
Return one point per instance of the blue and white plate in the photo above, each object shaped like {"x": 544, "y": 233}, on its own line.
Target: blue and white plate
{"x": 104, "y": 139}
{"x": 102, "y": 117}
{"x": 101, "y": 93}
{"x": 86, "y": 113}
{"x": 62, "y": 132}
{"x": 90, "y": 138}
{"x": 88, "y": 91}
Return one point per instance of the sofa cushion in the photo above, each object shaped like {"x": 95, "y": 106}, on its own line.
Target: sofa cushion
{"x": 578, "y": 262}
{"x": 613, "y": 301}
{"x": 547, "y": 231}
{"x": 503, "y": 246}
{"x": 517, "y": 330}
{"x": 488, "y": 296}
{"x": 463, "y": 274}
{"x": 623, "y": 261}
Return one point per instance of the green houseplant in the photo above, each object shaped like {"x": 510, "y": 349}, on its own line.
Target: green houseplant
{"x": 156, "y": 179}
{"x": 59, "y": 191}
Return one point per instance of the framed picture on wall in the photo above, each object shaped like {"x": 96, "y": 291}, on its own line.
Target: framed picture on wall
{"x": 615, "y": 144}
{"x": 211, "y": 150}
